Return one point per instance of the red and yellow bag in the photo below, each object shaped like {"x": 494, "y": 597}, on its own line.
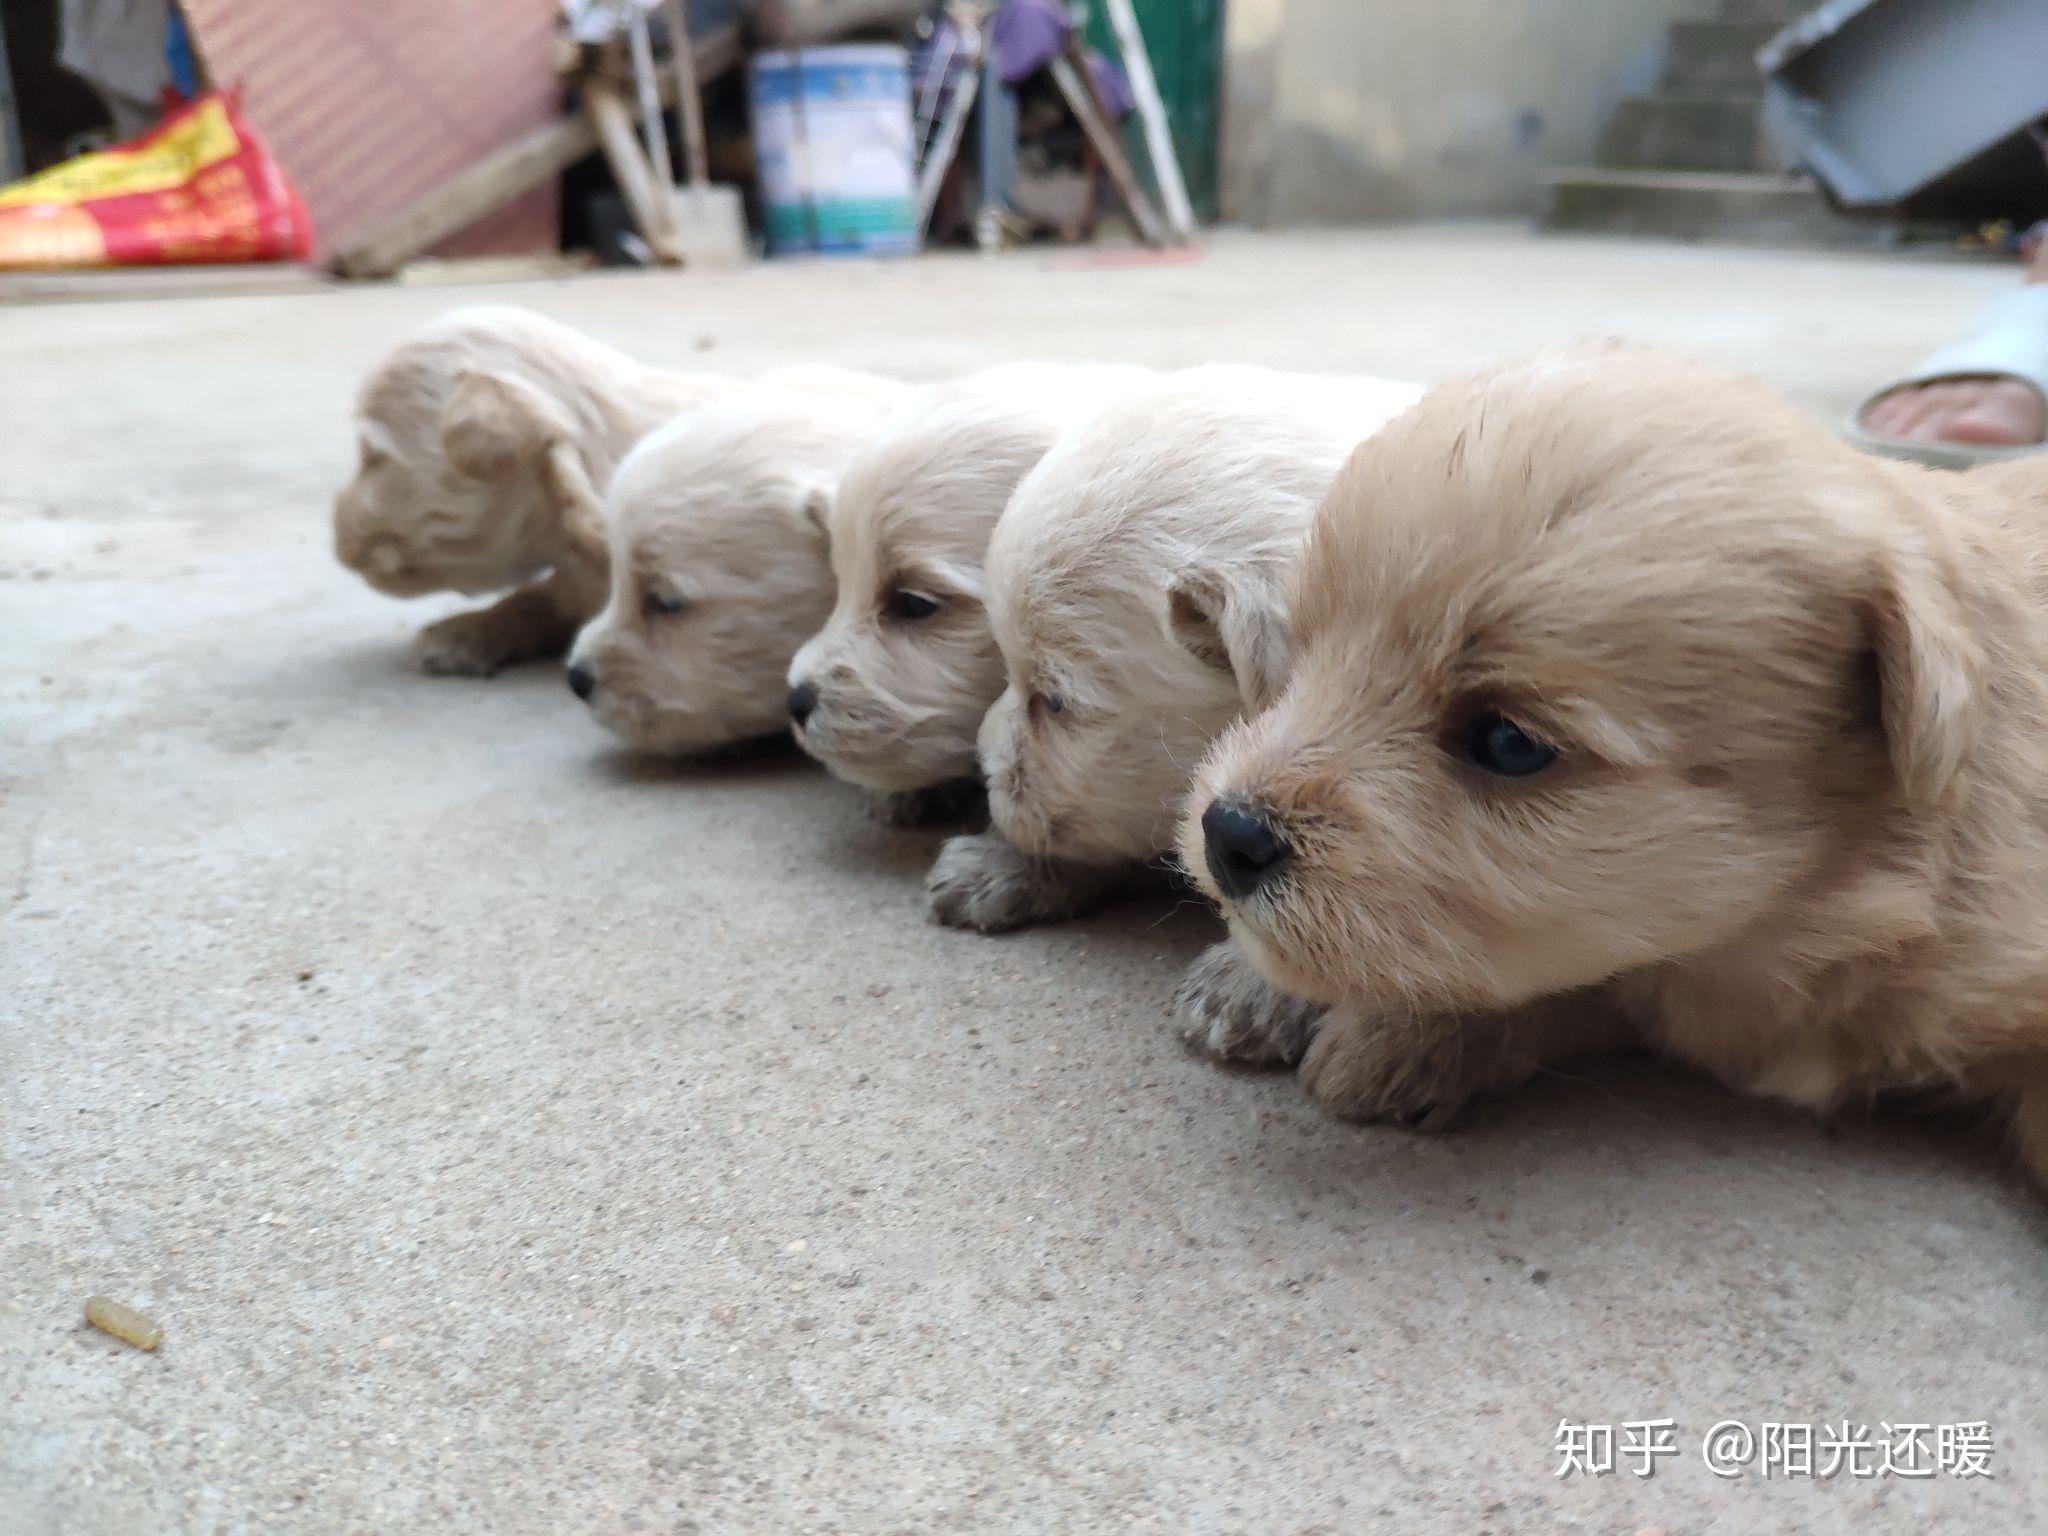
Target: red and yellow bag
{"x": 198, "y": 187}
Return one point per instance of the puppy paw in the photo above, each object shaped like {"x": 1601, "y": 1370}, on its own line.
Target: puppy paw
{"x": 1229, "y": 1012}
{"x": 467, "y": 645}
{"x": 1415, "y": 1071}
{"x": 936, "y": 805}
{"x": 525, "y": 625}
{"x": 981, "y": 882}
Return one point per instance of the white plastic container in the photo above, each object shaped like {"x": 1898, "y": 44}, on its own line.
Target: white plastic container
{"x": 834, "y": 146}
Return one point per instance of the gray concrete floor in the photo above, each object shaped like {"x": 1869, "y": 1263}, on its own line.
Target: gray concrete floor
{"x": 513, "y": 1137}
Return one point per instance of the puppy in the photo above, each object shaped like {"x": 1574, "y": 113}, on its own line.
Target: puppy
{"x": 482, "y": 442}
{"x": 718, "y": 561}
{"x": 1135, "y": 587}
{"x": 1629, "y": 703}
{"x": 889, "y": 694}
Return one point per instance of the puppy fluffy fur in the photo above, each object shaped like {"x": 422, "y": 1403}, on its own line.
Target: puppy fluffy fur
{"x": 482, "y": 444}
{"x": 906, "y": 666}
{"x": 1136, "y": 590}
{"x": 1796, "y": 831}
{"x": 718, "y": 558}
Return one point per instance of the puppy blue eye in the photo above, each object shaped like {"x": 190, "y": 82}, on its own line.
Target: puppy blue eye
{"x": 1500, "y": 746}
{"x": 659, "y": 602}
{"x": 911, "y": 605}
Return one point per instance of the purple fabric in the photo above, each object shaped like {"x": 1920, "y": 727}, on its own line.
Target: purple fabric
{"x": 1025, "y": 36}
{"x": 1112, "y": 85}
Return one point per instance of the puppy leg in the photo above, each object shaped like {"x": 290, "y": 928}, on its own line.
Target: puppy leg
{"x": 979, "y": 881}
{"x": 521, "y": 626}
{"x": 1229, "y": 1012}
{"x": 950, "y": 804}
{"x": 538, "y": 620}
{"x": 2030, "y": 1125}
{"x": 1421, "y": 1069}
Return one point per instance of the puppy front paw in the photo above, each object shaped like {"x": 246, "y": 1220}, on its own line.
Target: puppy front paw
{"x": 1416, "y": 1071}
{"x": 936, "y": 805}
{"x": 1229, "y": 1012}
{"x": 981, "y": 882}
{"x": 483, "y": 643}
{"x": 457, "y": 647}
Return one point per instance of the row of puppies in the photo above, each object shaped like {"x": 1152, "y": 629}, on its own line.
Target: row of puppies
{"x": 1608, "y": 701}
{"x": 1069, "y": 576}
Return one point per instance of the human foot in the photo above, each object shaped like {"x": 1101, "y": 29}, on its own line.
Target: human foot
{"x": 1986, "y": 411}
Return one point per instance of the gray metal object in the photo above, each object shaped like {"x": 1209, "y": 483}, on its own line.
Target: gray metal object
{"x": 1882, "y": 98}
{"x": 998, "y": 124}
{"x": 942, "y": 117}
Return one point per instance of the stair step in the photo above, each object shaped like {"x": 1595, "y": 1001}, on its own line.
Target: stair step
{"x": 1720, "y": 132}
{"x": 1715, "y": 56}
{"x": 1758, "y": 207}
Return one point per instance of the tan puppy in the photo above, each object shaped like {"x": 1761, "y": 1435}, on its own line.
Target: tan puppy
{"x": 890, "y": 692}
{"x": 1136, "y": 588}
{"x": 719, "y": 569}
{"x": 483, "y": 441}
{"x": 1628, "y": 700}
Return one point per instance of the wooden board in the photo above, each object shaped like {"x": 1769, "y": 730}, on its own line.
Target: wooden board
{"x": 540, "y": 155}
{"x": 372, "y": 105}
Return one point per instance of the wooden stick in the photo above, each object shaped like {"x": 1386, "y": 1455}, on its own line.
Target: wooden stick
{"x": 1070, "y": 74}
{"x": 1173, "y": 191}
{"x": 648, "y": 85}
{"x": 613, "y": 120}
{"x": 689, "y": 103}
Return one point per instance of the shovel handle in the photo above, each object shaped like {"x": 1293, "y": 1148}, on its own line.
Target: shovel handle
{"x": 689, "y": 105}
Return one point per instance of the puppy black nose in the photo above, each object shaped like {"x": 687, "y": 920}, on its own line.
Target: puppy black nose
{"x": 802, "y": 700}
{"x": 1242, "y": 847}
{"x": 582, "y": 682}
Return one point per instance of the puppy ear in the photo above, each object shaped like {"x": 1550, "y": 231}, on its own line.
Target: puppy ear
{"x": 577, "y": 504}
{"x": 1234, "y": 623}
{"x": 494, "y": 426}
{"x": 1930, "y": 673}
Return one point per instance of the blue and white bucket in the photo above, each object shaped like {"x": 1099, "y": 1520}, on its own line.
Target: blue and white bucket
{"x": 834, "y": 148}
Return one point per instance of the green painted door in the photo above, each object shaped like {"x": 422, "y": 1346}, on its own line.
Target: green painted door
{"x": 1184, "y": 39}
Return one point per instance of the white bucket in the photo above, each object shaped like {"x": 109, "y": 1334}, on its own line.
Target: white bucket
{"x": 834, "y": 147}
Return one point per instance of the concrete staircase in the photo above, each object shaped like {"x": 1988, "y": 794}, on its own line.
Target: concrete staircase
{"x": 1690, "y": 161}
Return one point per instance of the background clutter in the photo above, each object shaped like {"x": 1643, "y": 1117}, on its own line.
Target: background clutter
{"x": 583, "y": 131}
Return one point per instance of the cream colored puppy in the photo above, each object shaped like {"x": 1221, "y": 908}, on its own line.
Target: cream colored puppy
{"x": 719, "y": 566}
{"x": 482, "y": 443}
{"x": 1136, "y": 588}
{"x": 890, "y": 692}
{"x": 1628, "y": 702}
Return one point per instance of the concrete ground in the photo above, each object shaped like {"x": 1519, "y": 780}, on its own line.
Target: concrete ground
{"x": 514, "y": 1137}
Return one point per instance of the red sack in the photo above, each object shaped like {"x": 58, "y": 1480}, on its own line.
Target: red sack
{"x": 198, "y": 187}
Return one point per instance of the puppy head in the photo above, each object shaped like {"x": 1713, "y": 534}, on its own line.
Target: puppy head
{"x": 1601, "y": 660}
{"x": 1136, "y": 590}
{"x": 718, "y": 570}
{"x": 895, "y": 684}
{"x": 450, "y": 431}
